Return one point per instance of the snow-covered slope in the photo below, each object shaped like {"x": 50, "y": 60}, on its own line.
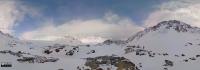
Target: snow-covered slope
{"x": 68, "y": 40}
{"x": 63, "y": 54}
{"x": 5, "y": 39}
{"x": 169, "y": 35}
{"x": 92, "y": 40}
{"x": 169, "y": 40}
{"x": 169, "y": 45}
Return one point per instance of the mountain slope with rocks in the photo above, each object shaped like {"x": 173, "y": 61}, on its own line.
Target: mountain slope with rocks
{"x": 169, "y": 45}
{"x": 170, "y": 40}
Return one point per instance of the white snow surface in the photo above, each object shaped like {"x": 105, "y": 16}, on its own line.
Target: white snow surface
{"x": 161, "y": 40}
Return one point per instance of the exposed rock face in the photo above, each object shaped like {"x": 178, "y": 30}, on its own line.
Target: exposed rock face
{"x": 174, "y": 24}
{"x": 168, "y": 63}
{"x": 31, "y": 59}
{"x": 108, "y": 42}
{"x": 37, "y": 59}
{"x": 72, "y": 51}
{"x": 27, "y": 59}
{"x": 18, "y": 54}
{"x": 120, "y": 63}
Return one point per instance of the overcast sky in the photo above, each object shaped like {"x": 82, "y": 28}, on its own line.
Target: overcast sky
{"x": 115, "y": 19}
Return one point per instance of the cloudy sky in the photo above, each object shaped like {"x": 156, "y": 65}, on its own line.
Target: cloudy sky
{"x": 114, "y": 19}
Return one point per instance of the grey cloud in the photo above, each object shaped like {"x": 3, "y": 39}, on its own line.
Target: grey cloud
{"x": 183, "y": 10}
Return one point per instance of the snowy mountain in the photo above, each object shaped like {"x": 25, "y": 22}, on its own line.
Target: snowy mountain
{"x": 171, "y": 34}
{"x": 92, "y": 40}
{"x": 68, "y": 40}
{"x": 169, "y": 45}
{"x": 169, "y": 40}
{"x": 167, "y": 25}
{"x": 7, "y": 40}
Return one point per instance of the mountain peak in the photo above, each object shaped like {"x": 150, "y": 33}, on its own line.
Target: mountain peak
{"x": 174, "y": 24}
{"x": 6, "y": 34}
{"x": 167, "y": 25}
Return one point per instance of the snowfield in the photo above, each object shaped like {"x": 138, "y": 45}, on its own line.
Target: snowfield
{"x": 170, "y": 45}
